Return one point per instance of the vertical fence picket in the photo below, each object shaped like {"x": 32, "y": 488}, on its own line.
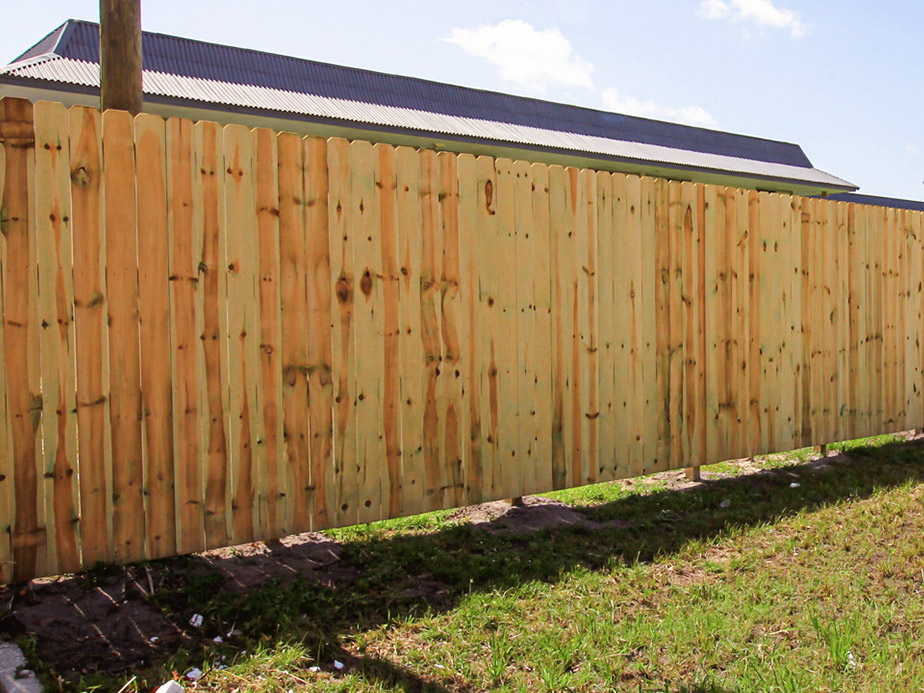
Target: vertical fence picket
{"x": 410, "y": 349}
{"x": 293, "y": 290}
{"x": 91, "y": 334}
{"x": 271, "y": 481}
{"x": 450, "y": 391}
{"x": 185, "y": 314}
{"x": 154, "y": 313}
{"x": 56, "y": 339}
{"x": 213, "y": 367}
{"x": 125, "y": 411}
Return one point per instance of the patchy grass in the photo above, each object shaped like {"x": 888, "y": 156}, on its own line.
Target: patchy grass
{"x": 799, "y": 576}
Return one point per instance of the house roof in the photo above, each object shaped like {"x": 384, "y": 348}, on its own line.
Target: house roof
{"x": 877, "y": 201}
{"x": 188, "y": 71}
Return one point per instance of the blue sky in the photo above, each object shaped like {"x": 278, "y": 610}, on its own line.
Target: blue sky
{"x": 842, "y": 79}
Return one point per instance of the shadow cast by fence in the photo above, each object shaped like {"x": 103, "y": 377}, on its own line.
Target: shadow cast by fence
{"x": 311, "y": 590}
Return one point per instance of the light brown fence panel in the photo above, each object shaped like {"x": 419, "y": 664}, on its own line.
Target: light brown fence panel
{"x": 56, "y": 340}
{"x": 215, "y": 334}
{"x": 213, "y": 368}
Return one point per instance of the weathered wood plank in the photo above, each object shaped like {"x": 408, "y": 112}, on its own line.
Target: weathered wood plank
{"x": 641, "y": 222}
{"x": 323, "y": 484}
{"x": 677, "y": 349}
{"x": 21, "y": 337}
{"x": 430, "y": 272}
{"x": 411, "y": 350}
{"x": 588, "y": 320}
{"x": 565, "y": 471}
{"x": 242, "y": 256}
{"x": 630, "y": 247}
{"x": 154, "y": 313}
{"x": 125, "y": 413}
{"x": 390, "y": 287}
{"x": 470, "y": 260}
{"x": 272, "y": 480}
{"x": 294, "y": 338}
{"x": 185, "y": 308}
{"x": 91, "y": 334}
{"x": 450, "y": 391}
{"x": 7, "y": 491}
{"x": 345, "y": 479}
{"x": 615, "y": 335}
{"x": 541, "y": 347}
{"x": 56, "y": 340}
{"x": 715, "y": 280}
{"x": 369, "y": 327}
{"x": 213, "y": 367}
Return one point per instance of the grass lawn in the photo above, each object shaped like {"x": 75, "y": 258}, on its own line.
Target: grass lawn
{"x": 778, "y": 574}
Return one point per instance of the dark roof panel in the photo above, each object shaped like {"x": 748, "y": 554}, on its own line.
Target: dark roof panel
{"x": 878, "y": 201}
{"x": 180, "y": 56}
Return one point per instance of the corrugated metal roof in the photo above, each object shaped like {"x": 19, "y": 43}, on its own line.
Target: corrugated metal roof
{"x": 878, "y": 201}
{"x": 179, "y": 68}
{"x": 280, "y": 101}
{"x": 180, "y": 56}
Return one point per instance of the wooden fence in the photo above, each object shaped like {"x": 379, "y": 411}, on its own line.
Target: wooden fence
{"x": 214, "y": 335}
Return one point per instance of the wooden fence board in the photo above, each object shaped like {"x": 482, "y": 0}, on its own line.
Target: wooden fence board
{"x": 91, "y": 334}
{"x": 369, "y": 327}
{"x": 56, "y": 339}
{"x": 320, "y": 325}
{"x": 214, "y": 470}
{"x": 154, "y": 314}
{"x": 272, "y": 481}
{"x": 242, "y": 257}
{"x": 185, "y": 320}
{"x": 7, "y": 491}
{"x": 411, "y": 349}
{"x": 470, "y": 328}
{"x": 430, "y": 314}
{"x": 450, "y": 392}
{"x": 214, "y": 335}
{"x": 390, "y": 472}
{"x": 540, "y": 235}
{"x": 294, "y": 338}
{"x": 345, "y": 478}
{"x": 562, "y": 247}
{"x": 125, "y": 412}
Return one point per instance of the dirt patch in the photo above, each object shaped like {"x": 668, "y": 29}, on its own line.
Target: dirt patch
{"x": 535, "y": 514}
{"x": 105, "y": 621}
{"x": 82, "y": 627}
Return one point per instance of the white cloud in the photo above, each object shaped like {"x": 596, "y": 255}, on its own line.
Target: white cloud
{"x": 691, "y": 115}
{"x": 762, "y": 13}
{"x": 531, "y": 58}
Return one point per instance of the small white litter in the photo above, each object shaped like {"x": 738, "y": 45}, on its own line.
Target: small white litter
{"x": 234, "y": 631}
{"x": 170, "y": 687}
{"x": 194, "y": 674}
{"x": 314, "y": 670}
{"x": 196, "y": 620}
{"x": 155, "y": 638}
{"x": 218, "y": 640}
{"x": 338, "y": 665}
{"x": 725, "y": 503}
{"x": 794, "y": 484}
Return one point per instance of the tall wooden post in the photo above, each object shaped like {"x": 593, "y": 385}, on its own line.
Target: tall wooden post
{"x": 120, "y": 55}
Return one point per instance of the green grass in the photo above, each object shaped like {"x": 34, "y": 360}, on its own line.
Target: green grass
{"x": 815, "y": 587}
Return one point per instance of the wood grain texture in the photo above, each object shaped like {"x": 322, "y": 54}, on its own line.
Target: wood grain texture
{"x": 274, "y": 493}
{"x": 21, "y": 338}
{"x": 91, "y": 328}
{"x": 125, "y": 411}
{"x": 213, "y": 367}
{"x": 185, "y": 321}
{"x": 320, "y": 324}
{"x": 157, "y": 356}
{"x": 56, "y": 340}
{"x": 213, "y": 335}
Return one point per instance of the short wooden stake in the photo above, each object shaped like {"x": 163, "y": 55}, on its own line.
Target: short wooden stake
{"x": 516, "y": 502}
{"x": 693, "y": 474}
{"x": 822, "y": 449}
